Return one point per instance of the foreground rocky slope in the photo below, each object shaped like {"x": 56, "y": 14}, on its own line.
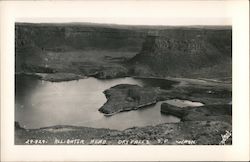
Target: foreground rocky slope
{"x": 184, "y": 133}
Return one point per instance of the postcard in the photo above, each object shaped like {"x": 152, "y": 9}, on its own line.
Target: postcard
{"x": 142, "y": 73}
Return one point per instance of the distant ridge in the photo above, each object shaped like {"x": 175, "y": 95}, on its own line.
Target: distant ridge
{"x": 127, "y": 26}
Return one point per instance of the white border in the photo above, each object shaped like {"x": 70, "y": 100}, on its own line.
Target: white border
{"x": 133, "y": 11}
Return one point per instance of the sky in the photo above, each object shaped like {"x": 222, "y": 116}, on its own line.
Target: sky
{"x": 134, "y": 21}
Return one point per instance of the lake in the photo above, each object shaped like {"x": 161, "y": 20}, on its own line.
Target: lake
{"x": 42, "y": 103}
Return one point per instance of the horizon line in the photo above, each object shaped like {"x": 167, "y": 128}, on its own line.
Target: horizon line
{"x": 121, "y": 24}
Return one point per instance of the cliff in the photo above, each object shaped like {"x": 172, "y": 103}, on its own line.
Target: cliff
{"x": 61, "y": 37}
{"x": 98, "y": 49}
{"x": 68, "y": 47}
{"x": 187, "y": 53}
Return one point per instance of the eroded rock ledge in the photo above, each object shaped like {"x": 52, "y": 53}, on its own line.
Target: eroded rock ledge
{"x": 222, "y": 112}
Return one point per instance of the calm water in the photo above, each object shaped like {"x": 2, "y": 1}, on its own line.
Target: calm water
{"x": 41, "y": 103}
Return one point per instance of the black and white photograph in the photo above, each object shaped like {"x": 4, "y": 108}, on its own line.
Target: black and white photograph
{"x": 129, "y": 80}
{"x": 89, "y": 83}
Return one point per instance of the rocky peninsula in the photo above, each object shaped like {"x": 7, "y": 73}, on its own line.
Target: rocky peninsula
{"x": 131, "y": 97}
{"x": 126, "y": 97}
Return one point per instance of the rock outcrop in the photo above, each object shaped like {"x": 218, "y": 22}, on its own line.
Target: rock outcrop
{"x": 202, "y": 113}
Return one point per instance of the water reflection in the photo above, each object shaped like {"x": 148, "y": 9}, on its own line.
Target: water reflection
{"x": 41, "y": 103}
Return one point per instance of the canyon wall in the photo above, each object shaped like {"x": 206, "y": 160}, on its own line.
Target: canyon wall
{"x": 199, "y": 51}
{"x": 187, "y": 53}
{"x": 63, "y": 37}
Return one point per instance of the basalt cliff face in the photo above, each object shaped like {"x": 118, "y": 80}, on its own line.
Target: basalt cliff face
{"x": 109, "y": 51}
{"x": 63, "y": 37}
{"x": 187, "y": 53}
{"x": 67, "y": 47}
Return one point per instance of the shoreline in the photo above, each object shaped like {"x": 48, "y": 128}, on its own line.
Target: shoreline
{"x": 41, "y": 76}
